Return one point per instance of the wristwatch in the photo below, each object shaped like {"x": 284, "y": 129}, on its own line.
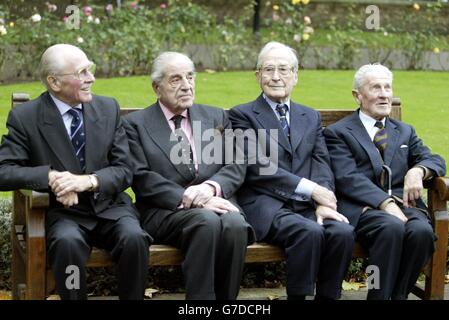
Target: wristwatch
{"x": 93, "y": 181}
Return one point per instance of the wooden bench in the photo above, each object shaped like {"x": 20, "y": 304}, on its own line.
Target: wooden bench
{"x": 32, "y": 279}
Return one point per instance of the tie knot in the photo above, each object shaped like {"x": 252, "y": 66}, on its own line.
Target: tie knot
{"x": 379, "y": 124}
{"x": 74, "y": 112}
{"x": 177, "y": 120}
{"x": 282, "y": 109}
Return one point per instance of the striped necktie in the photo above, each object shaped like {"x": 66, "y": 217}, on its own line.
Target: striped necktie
{"x": 380, "y": 138}
{"x": 186, "y": 150}
{"x": 282, "y": 110}
{"x": 78, "y": 137}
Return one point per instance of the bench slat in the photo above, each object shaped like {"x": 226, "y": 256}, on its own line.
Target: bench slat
{"x": 163, "y": 255}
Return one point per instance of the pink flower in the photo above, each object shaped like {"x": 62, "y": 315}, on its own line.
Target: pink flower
{"x": 65, "y": 19}
{"x": 87, "y": 11}
{"x": 275, "y": 17}
{"x": 163, "y": 6}
{"x": 133, "y": 5}
{"x": 109, "y": 8}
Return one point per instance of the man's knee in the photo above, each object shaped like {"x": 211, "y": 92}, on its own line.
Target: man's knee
{"x": 391, "y": 227}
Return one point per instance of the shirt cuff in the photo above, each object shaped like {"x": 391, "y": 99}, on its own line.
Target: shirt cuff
{"x": 216, "y": 186}
{"x": 427, "y": 173}
{"x": 303, "y": 191}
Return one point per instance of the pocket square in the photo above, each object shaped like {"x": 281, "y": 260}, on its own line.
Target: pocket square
{"x": 404, "y": 146}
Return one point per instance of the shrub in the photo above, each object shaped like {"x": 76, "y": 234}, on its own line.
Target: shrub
{"x": 5, "y": 243}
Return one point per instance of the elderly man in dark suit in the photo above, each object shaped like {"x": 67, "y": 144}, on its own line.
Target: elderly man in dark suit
{"x": 185, "y": 189}
{"x": 288, "y": 192}
{"x": 364, "y": 147}
{"x": 71, "y": 144}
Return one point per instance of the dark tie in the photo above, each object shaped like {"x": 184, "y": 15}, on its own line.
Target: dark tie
{"x": 380, "y": 138}
{"x": 282, "y": 110}
{"x": 78, "y": 137}
{"x": 186, "y": 150}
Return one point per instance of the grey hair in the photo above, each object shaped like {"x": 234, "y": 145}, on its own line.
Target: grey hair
{"x": 158, "y": 68}
{"x": 369, "y": 68}
{"x": 277, "y": 45}
{"x": 54, "y": 59}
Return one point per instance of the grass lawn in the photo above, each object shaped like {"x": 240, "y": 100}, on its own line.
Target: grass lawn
{"x": 424, "y": 95}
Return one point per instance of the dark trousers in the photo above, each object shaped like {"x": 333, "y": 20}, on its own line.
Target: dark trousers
{"x": 214, "y": 249}
{"x": 70, "y": 244}
{"x": 314, "y": 253}
{"x": 399, "y": 250}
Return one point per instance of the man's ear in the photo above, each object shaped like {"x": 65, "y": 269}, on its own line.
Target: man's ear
{"x": 258, "y": 75}
{"x": 155, "y": 88}
{"x": 54, "y": 83}
{"x": 356, "y": 96}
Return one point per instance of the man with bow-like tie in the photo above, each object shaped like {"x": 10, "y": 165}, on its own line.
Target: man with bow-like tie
{"x": 292, "y": 203}
{"x": 394, "y": 228}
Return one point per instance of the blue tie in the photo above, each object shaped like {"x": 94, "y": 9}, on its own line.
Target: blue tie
{"x": 282, "y": 110}
{"x": 78, "y": 137}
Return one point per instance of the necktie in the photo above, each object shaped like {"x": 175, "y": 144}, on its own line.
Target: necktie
{"x": 282, "y": 110}
{"x": 78, "y": 137}
{"x": 380, "y": 138}
{"x": 186, "y": 150}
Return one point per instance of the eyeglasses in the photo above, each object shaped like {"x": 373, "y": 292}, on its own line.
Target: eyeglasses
{"x": 283, "y": 70}
{"x": 177, "y": 80}
{"x": 82, "y": 74}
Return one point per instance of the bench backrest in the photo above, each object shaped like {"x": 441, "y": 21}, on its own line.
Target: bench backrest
{"x": 328, "y": 116}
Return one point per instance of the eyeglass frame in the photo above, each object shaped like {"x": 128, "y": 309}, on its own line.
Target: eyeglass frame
{"x": 91, "y": 68}
{"x": 289, "y": 70}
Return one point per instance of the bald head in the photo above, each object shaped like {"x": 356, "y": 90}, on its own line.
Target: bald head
{"x": 58, "y": 58}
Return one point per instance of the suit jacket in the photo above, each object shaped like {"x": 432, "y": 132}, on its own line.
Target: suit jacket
{"x": 357, "y": 164}
{"x": 37, "y": 141}
{"x": 261, "y": 196}
{"x": 159, "y": 183}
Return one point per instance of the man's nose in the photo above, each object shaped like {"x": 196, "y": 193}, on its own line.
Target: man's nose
{"x": 383, "y": 93}
{"x": 275, "y": 75}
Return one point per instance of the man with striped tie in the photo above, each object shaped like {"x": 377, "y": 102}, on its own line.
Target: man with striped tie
{"x": 71, "y": 143}
{"x": 293, "y": 205}
{"x": 393, "y": 227}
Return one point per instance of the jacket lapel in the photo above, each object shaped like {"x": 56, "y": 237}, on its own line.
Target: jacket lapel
{"x": 93, "y": 126}
{"x": 392, "y": 141}
{"x": 55, "y": 134}
{"x": 268, "y": 120}
{"x": 159, "y": 131}
{"x": 359, "y": 133}
{"x": 298, "y": 125}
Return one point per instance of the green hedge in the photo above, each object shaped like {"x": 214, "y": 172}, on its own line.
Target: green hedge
{"x": 124, "y": 42}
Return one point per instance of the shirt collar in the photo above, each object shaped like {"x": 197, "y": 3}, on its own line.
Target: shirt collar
{"x": 369, "y": 121}
{"x": 169, "y": 114}
{"x": 274, "y": 104}
{"x": 62, "y": 106}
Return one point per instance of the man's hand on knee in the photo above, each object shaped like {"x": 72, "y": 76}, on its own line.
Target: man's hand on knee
{"x": 323, "y": 212}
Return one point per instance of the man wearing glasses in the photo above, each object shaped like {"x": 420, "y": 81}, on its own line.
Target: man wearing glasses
{"x": 295, "y": 206}
{"x": 185, "y": 193}
{"x": 71, "y": 143}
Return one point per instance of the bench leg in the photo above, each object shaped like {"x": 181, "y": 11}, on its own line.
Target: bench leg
{"x": 36, "y": 256}
{"x": 435, "y": 282}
